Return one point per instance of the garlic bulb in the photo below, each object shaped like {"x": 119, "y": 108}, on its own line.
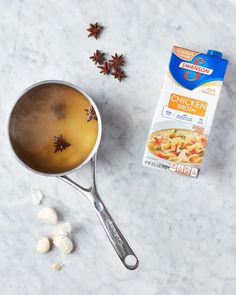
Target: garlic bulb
{"x": 47, "y": 215}
{"x": 64, "y": 244}
{"x": 43, "y": 245}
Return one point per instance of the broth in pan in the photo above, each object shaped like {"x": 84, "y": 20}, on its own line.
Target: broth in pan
{"x": 53, "y": 128}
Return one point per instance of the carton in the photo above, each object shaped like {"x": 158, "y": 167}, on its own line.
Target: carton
{"x": 183, "y": 118}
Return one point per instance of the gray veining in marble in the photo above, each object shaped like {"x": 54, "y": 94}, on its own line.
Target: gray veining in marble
{"x": 183, "y": 230}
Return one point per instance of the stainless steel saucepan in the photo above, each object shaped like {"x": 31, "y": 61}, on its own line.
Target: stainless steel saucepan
{"x": 117, "y": 239}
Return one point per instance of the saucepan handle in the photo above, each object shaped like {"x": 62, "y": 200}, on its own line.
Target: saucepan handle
{"x": 118, "y": 241}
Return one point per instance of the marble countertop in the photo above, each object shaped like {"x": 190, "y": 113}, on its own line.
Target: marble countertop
{"x": 183, "y": 230}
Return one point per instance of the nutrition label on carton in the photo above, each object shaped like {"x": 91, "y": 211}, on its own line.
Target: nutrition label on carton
{"x": 185, "y": 169}
{"x": 181, "y": 116}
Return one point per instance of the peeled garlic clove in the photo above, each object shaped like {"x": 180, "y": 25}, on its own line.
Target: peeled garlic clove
{"x": 57, "y": 266}
{"x": 36, "y": 195}
{"x": 47, "y": 215}
{"x": 64, "y": 244}
{"x": 62, "y": 229}
{"x": 43, "y": 245}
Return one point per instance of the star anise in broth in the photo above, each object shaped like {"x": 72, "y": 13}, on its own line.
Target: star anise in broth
{"x": 91, "y": 114}
{"x": 105, "y": 68}
{"x": 117, "y": 61}
{"x": 97, "y": 57}
{"x": 60, "y": 143}
{"x": 119, "y": 74}
{"x": 95, "y": 30}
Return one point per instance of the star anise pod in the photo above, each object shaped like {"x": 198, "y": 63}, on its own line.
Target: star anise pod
{"x": 105, "y": 68}
{"x": 60, "y": 143}
{"x": 95, "y": 30}
{"x": 91, "y": 114}
{"x": 97, "y": 57}
{"x": 117, "y": 61}
{"x": 119, "y": 74}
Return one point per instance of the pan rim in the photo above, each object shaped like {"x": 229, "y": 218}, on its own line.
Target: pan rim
{"x": 95, "y": 148}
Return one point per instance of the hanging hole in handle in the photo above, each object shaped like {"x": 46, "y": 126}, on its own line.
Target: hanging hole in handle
{"x": 131, "y": 262}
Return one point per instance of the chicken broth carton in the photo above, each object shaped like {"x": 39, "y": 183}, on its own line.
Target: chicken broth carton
{"x": 181, "y": 125}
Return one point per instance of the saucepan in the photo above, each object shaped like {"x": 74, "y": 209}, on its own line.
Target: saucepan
{"x": 117, "y": 239}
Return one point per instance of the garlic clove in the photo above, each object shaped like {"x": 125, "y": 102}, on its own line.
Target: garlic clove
{"x": 47, "y": 215}
{"x": 36, "y": 196}
{"x": 57, "y": 266}
{"x": 64, "y": 244}
{"x": 43, "y": 245}
{"x": 62, "y": 229}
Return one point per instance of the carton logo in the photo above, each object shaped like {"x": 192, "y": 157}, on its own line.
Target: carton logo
{"x": 195, "y": 67}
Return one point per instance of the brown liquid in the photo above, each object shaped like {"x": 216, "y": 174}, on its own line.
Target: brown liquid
{"x": 44, "y": 112}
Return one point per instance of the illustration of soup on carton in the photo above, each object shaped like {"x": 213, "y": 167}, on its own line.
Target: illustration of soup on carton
{"x": 182, "y": 121}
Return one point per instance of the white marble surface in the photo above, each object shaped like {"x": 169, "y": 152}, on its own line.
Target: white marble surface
{"x": 183, "y": 230}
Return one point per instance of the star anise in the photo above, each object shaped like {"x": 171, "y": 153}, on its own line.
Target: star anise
{"x": 95, "y": 30}
{"x": 117, "y": 61}
{"x": 91, "y": 114}
{"x": 119, "y": 74}
{"x": 60, "y": 143}
{"x": 105, "y": 68}
{"x": 98, "y": 57}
